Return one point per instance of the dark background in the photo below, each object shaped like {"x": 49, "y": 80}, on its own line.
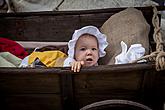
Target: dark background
{"x": 161, "y": 2}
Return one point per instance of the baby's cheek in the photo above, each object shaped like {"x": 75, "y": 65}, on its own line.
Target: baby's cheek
{"x": 97, "y": 55}
{"x": 80, "y": 57}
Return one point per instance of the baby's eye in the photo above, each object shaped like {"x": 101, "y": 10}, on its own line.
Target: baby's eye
{"x": 82, "y": 49}
{"x": 94, "y": 48}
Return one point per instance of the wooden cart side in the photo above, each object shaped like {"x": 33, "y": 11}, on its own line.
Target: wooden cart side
{"x": 30, "y": 89}
{"x": 60, "y": 88}
{"x": 136, "y": 82}
{"x": 50, "y": 26}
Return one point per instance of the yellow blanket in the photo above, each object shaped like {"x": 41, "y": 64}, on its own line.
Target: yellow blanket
{"x": 48, "y": 58}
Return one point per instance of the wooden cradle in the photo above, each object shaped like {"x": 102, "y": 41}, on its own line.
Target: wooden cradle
{"x": 60, "y": 88}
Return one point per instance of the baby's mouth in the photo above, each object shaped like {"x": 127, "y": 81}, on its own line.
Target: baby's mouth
{"x": 89, "y": 59}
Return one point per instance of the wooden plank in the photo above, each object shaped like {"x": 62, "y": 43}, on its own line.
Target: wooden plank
{"x": 67, "y": 91}
{"x": 75, "y": 12}
{"x": 94, "y": 19}
{"x": 55, "y": 26}
{"x": 58, "y": 28}
{"x": 37, "y": 28}
{"x": 128, "y": 81}
{"x": 131, "y": 81}
{"x": 90, "y": 88}
{"x": 33, "y": 45}
{"x": 29, "y": 80}
{"x": 153, "y": 91}
{"x": 30, "y": 101}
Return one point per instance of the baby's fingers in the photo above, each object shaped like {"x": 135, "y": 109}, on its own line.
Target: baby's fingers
{"x": 73, "y": 66}
{"x": 76, "y": 66}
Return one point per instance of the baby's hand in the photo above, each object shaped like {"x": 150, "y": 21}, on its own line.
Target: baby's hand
{"x": 76, "y": 66}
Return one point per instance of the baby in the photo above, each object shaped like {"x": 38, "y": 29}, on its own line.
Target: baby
{"x": 85, "y": 48}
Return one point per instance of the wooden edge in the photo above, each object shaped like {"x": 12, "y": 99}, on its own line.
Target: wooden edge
{"x": 77, "y": 12}
{"x": 33, "y": 45}
{"x": 95, "y": 69}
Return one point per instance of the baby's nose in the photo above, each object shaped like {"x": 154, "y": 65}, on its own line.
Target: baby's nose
{"x": 89, "y": 52}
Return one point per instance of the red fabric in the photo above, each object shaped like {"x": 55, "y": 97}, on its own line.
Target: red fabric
{"x": 13, "y": 47}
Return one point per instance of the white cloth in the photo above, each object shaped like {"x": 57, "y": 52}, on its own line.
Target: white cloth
{"x": 68, "y": 61}
{"x": 24, "y": 62}
{"x": 102, "y": 40}
{"x": 134, "y": 52}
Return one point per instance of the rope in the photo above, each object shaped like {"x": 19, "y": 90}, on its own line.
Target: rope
{"x": 159, "y": 55}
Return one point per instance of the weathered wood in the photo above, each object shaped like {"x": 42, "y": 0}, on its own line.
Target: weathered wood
{"x": 30, "y": 101}
{"x": 60, "y": 88}
{"x": 32, "y": 89}
{"x": 134, "y": 82}
{"x": 67, "y": 91}
{"x": 29, "y": 81}
{"x": 55, "y": 26}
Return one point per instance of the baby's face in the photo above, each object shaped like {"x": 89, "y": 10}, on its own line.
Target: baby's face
{"x": 87, "y": 50}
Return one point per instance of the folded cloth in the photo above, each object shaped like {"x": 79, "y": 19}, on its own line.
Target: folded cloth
{"x": 48, "y": 58}
{"x": 5, "y": 63}
{"x": 9, "y": 60}
{"x": 134, "y": 52}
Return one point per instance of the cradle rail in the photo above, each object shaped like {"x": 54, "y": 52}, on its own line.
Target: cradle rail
{"x": 60, "y": 88}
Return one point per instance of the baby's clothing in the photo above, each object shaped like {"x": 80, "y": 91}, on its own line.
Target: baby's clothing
{"x": 68, "y": 61}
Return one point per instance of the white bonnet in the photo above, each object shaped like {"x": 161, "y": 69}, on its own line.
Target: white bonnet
{"x": 88, "y": 30}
